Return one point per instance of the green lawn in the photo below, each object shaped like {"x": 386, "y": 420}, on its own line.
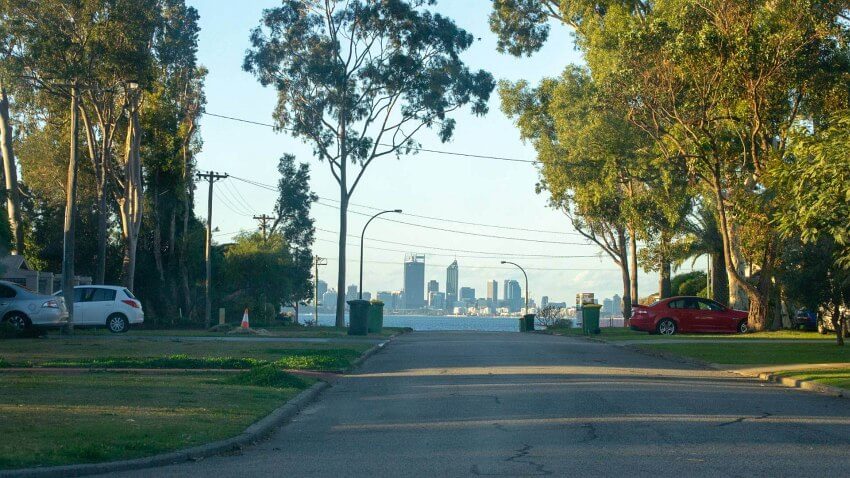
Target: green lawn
{"x": 48, "y": 419}
{"x": 150, "y": 353}
{"x": 274, "y": 331}
{"x": 837, "y": 377}
{"x": 746, "y": 352}
{"x": 618, "y": 334}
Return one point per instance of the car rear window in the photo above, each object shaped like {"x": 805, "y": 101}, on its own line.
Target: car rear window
{"x": 677, "y": 304}
{"x": 129, "y": 294}
{"x": 103, "y": 295}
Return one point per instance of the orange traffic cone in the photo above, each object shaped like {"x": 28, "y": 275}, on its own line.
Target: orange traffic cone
{"x": 245, "y": 324}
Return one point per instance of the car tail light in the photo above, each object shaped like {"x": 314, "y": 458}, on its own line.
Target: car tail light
{"x": 51, "y": 304}
{"x": 132, "y": 303}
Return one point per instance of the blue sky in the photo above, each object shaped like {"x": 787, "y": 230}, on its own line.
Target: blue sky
{"x": 495, "y": 193}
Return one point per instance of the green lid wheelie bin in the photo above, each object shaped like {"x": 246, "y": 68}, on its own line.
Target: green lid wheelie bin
{"x": 590, "y": 318}
{"x": 376, "y": 317}
{"x": 358, "y": 317}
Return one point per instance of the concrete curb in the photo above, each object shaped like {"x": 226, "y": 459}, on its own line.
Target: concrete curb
{"x": 252, "y": 434}
{"x": 808, "y": 385}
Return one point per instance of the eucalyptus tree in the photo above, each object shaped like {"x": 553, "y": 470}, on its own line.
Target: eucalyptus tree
{"x": 358, "y": 80}
{"x": 590, "y": 158}
{"x": 293, "y": 222}
{"x": 8, "y": 78}
{"x": 718, "y": 85}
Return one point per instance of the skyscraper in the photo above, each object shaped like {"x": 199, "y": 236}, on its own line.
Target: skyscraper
{"x": 451, "y": 279}
{"x": 493, "y": 292}
{"x": 433, "y": 286}
{"x": 617, "y": 306}
{"x": 544, "y": 301}
{"x": 351, "y": 292}
{"x": 414, "y": 281}
{"x": 467, "y": 293}
{"x": 513, "y": 295}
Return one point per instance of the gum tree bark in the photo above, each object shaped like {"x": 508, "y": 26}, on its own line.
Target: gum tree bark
{"x": 13, "y": 202}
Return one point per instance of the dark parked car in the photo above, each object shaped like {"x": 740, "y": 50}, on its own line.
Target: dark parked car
{"x": 687, "y": 314}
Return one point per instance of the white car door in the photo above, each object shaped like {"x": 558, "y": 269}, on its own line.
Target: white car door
{"x": 100, "y": 305}
{"x": 81, "y": 305}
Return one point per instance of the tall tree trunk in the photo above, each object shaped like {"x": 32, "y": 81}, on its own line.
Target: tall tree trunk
{"x": 838, "y": 324}
{"x": 99, "y": 159}
{"x": 343, "y": 235}
{"x": 187, "y": 212}
{"x": 628, "y": 299}
{"x": 130, "y": 201}
{"x": 633, "y": 265}
{"x": 719, "y": 279}
{"x": 664, "y": 285}
{"x": 759, "y": 304}
{"x": 13, "y": 202}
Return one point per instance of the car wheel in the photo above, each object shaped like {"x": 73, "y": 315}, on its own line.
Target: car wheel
{"x": 18, "y": 320}
{"x": 743, "y": 327}
{"x": 666, "y": 327}
{"x": 117, "y": 324}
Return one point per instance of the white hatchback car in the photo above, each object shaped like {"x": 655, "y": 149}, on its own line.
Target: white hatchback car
{"x": 113, "y": 306}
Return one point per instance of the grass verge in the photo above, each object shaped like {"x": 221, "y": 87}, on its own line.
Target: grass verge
{"x": 743, "y": 352}
{"x": 619, "y": 334}
{"x": 151, "y": 353}
{"x": 835, "y": 377}
{"x": 61, "y": 419}
{"x": 285, "y": 331}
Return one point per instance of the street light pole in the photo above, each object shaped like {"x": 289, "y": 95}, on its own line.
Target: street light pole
{"x": 526, "y": 282}
{"x": 362, "y": 236}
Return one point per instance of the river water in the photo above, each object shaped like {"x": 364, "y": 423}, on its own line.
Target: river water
{"x": 427, "y": 322}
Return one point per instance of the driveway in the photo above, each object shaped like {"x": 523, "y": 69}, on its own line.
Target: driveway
{"x": 509, "y": 404}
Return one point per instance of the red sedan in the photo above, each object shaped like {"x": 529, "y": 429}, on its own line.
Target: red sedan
{"x": 687, "y": 314}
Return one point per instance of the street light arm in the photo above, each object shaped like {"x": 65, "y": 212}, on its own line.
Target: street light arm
{"x": 526, "y": 281}
{"x": 362, "y": 237}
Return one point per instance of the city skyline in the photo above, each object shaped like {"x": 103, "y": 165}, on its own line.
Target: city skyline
{"x": 418, "y": 184}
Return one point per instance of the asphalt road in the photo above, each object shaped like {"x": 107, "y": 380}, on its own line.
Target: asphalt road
{"x": 508, "y": 404}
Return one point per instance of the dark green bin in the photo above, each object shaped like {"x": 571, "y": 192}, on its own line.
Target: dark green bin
{"x": 526, "y": 323}
{"x": 590, "y": 318}
{"x": 376, "y": 317}
{"x": 358, "y": 317}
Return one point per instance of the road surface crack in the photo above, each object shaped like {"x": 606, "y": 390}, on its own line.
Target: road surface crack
{"x": 523, "y": 456}
{"x": 742, "y": 419}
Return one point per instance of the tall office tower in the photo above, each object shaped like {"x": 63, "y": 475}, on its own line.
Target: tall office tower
{"x": 321, "y": 288}
{"x": 388, "y": 299}
{"x": 414, "y": 281}
{"x": 467, "y": 293}
{"x": 544, "y": 301}
{"x": 493, "y": 292}
{"x": 451, "y": 279}
{"x": 329, "y": 299}
{"x": 433, "y": 286}
{"x": 513, "y": 295}
{"x": 617, "y": 306}
{"x": 351, "y": 292}
{"x": 367, "y": 296}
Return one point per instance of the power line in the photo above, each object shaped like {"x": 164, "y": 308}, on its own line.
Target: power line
{"x": 413, "y": 148}
{"x": 431, "y": 218}
{"x": 466, "y": 233}
{"x": 493, "y": 256}
{"x": 546, "y": 269}
{"x": 420, "y": 246}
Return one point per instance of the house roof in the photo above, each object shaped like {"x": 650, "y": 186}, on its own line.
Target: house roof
{"x": 14, "y": 262}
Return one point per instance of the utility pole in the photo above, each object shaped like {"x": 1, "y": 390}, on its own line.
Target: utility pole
{"x": 264, "y": 223}
{"x": 70, "y": 216}
{"x": 317, "y": 261}
{"x": 212, "y": 177}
